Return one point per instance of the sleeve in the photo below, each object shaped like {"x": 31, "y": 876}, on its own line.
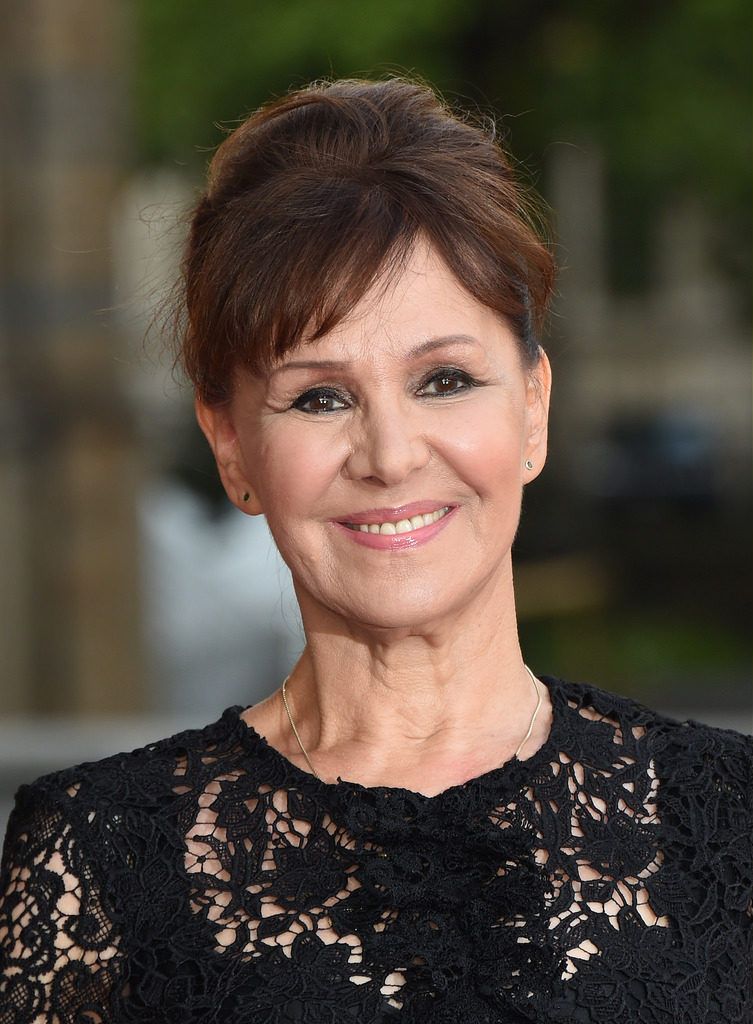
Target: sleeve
{"x": 59, "y": 953}
{"x": 708, "y": 810}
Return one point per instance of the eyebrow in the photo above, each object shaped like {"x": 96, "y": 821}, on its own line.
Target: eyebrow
{"x": 418, "y": 350}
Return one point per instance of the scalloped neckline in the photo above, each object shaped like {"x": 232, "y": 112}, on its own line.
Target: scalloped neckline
{"x": 252, "y": 738}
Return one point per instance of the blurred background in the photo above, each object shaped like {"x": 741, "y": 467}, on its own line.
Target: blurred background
{"x": 133, "y": 599}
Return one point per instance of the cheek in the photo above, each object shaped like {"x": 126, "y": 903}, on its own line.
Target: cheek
{"x": 295, "y": 469}
{"x": 487, "y": 453}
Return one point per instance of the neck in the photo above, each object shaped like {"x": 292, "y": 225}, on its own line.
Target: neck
{"x": 454, "y": 692}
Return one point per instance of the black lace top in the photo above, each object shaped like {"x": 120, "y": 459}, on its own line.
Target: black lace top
{"x": 608, "y": 878}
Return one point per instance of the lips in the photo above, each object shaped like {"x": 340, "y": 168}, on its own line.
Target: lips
{"x": 394, "y": 514}
{"x": 387, "y": 528}
{"x": 397, "y": 529}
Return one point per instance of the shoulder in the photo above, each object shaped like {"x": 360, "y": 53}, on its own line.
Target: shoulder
{"x": 690, "y": 781}
{"x": 683, "y": 751}
{"x": 146, "y": 779}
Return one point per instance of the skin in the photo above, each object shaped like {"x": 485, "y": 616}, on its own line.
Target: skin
{"x": 412, "y": 674}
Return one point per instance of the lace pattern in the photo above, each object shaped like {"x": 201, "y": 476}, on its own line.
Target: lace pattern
{"x": 206, "y": 878}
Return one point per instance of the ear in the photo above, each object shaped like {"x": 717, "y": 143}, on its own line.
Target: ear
{"x": 217, "y": 426}
{"x": 538, "y": 392}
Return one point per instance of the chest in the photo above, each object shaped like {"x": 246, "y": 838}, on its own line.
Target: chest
{"x": 556, "y": 903}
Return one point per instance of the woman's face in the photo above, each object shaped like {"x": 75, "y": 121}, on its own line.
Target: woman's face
{"x": 415, "y": 409}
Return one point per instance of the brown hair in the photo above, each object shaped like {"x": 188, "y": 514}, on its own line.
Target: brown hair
{"x": 319, "y": 194}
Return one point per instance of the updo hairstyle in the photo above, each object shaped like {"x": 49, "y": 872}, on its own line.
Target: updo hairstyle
{"x": 322, "y": 193}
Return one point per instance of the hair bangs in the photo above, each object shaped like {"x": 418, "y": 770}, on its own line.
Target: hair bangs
{"x": 320, "y": 196}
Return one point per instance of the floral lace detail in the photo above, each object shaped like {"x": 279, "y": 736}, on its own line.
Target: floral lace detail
{"x": 608, "y": 878}
{"x": 58, "y": 945}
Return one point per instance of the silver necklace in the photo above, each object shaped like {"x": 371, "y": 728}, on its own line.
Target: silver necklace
{"x": 515, "y": 755}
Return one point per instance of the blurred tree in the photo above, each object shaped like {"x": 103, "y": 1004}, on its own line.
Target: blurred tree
{"x": 663, "y": 88}
{"x": 201, "y": 62}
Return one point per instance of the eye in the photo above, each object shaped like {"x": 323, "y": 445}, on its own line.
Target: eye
{"x": 447, "y": 381}
{"x": 319, "y": 400}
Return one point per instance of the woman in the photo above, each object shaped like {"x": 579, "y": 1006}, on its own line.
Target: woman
{"x": 414, "y": 827}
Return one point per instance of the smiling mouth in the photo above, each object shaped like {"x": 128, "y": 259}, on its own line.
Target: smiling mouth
{"x": 402, "y": 525}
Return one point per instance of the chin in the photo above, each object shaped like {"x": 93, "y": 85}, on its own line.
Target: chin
{"x": 409, "y": 600}
{"x": 406, "y": 611}
{"x": 397, "y": 619}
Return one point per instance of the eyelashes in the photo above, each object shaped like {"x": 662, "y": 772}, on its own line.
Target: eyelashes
{"x": 321, "y": 399}
{"x": 449, "y": 375}
{"x": 328, "y": 399}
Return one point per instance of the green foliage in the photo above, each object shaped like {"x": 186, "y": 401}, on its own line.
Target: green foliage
{"x": 202, "y": 63}
{"x": 642, "y": 652}
{"x": 664, "y": 86}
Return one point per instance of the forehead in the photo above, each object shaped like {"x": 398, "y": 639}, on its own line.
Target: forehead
{"x": 420, "y": 301}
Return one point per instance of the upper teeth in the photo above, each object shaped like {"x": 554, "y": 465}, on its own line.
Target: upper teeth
{"x": 403, "y": 525}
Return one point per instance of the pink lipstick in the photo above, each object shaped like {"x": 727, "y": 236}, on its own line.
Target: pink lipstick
{"x": 398, "y": 527}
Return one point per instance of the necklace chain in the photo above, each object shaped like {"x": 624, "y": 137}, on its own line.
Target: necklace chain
{"x": 295, "y": 731}
{"x": 318, "y": 776}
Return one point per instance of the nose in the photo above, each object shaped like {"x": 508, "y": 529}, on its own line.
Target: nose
{"x": 387, "y": 445}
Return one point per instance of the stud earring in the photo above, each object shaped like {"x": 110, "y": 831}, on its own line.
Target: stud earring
{"x": 528, "y": 464}
{"x": 246, "y": 496}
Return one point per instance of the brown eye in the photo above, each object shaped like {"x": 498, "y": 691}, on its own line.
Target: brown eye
{"x": 320, "y": 400}
{"x": 446, "y": 382}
